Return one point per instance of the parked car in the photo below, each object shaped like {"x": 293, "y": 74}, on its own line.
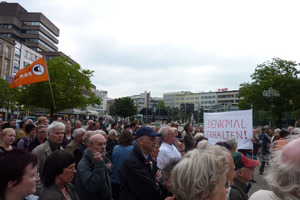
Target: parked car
{"x": 34, "y": 118}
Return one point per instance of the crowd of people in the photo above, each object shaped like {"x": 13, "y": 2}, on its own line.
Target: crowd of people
{"x": 129, "y": 161}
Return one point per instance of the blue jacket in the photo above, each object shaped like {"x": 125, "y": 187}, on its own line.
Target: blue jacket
{"x": 92, "y": 180}
{"x": 118, "y": 156}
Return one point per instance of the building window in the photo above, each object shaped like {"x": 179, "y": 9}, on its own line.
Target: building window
{"x": 192, "y": 98}
{"x": 187, "y": 98}
{"x": 0, "y": 46}
{"x": 6, "y": 64}
{"x": 196, "y": 97}
{"x": 7, "y": 49}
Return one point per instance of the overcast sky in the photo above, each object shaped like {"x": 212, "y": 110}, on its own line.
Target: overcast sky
{"x": 168, "y": 45}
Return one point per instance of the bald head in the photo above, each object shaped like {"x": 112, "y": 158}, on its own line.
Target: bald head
{"x": 97, "y": 143}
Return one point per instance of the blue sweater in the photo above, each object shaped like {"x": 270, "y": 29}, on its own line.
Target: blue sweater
{"x": 118, "y": 156}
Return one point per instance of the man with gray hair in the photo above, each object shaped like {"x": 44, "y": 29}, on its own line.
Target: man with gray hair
{"x": 77, "y": 140}
{"x": 55, "y": 132}
{"x": 167, "y": 150}
{"x": 78, "y": 153}
{"x": 92, "y": 181}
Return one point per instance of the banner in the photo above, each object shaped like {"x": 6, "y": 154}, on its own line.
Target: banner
{"x": 218, "y": 127}
{"x": 36, "y": 72}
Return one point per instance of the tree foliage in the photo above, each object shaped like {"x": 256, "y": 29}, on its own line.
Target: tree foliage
{"x": 8, "y": 97}
{"x": 282, "y": 75}
{"x": 125, "y": 107}
{"x": 161, "y": 105}
{"x": 68, "y": 82}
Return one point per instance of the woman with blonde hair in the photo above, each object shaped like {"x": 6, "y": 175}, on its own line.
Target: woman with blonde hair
{"x": 7, "y": 138}
{"x": 200, "y": 175}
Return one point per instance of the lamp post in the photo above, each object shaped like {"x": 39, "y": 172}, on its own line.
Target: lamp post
{"x": 229, "y": 105}
{"x": 271, "y": 94}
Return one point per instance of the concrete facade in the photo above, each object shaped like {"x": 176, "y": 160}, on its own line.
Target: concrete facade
{"x": 32, "y": 29}
{"x": 6, "y": 57}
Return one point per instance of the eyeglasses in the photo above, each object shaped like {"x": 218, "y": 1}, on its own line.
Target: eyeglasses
{"x": 100, "y": 144}
{"x": 227, "y": 185}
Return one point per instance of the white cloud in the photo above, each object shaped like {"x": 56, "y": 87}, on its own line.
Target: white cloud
{"x": 172, "y": 45}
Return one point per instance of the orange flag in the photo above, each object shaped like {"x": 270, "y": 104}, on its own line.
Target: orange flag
{"x": 36, "y": 72}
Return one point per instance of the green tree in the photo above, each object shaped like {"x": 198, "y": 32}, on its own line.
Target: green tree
{"x": 8, "y": 97}
{"x": 68, "y": 83}
{"x": 112, "y": 110}
{"x": 161, "y": 105}
{"x": 282, "y": 75}
{"x": 125, "y": 107}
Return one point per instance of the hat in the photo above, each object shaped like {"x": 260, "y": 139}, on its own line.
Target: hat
{"x": 241, "y": 161}
{"x": 144, "y": 130}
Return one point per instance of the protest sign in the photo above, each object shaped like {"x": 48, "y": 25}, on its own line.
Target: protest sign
{"x": 223, "y": 125}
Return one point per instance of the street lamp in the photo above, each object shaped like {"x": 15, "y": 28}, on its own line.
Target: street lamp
{"x": 271, "y": 94}
{"x": 229, "y": 105}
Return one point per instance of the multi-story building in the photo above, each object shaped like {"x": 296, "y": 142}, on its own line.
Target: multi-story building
{"x": 102, "y": 109}
{"x": 32, "y": 29}
{"x": 6, "y": 57}
{"x": 142, "y": 100}
{"x": 23, "y": 56}
{"x": 204, "y": 100}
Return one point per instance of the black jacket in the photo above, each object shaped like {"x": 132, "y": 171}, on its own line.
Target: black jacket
{"x": 265, "y": 141}
{"x": 137, "y": 177}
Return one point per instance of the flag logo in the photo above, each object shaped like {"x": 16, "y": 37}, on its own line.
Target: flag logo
{"x": 38, "y": 69}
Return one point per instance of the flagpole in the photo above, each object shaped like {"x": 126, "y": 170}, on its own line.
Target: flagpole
{"x": 50, "y": 84}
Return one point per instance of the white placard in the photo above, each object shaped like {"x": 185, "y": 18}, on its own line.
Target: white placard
{"x": 223, "y": 125}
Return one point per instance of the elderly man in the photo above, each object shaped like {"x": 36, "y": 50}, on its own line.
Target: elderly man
{"x": 78, "y": 153}
{"x": 244, "y": 168}
{"x": 167, "y": 150}
{"x": 96, "y": 126}
{"x": 283, "y": 176}
{"x": 55, "y": 132}
{"x": 77, "y": 140}
{"x": 92, "y": 181}
{"x": 90, "y": 125}
{"x": 139, "y": 170}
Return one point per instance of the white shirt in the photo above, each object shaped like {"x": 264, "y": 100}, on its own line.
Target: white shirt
{"x": 166, "y": 153}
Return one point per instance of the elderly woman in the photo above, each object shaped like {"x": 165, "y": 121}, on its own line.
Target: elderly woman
{"x": 57, "y": 175}
{"x": 201, "y": 175}
{"x": 111, "y": 142}
{"x": 7, "y": 138}
{"x": 119, "y": 154}
{"x": 18, "y": 174}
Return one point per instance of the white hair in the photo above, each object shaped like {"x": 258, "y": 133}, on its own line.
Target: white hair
{"x": 55, "y": 125}
{"x": 112, "y": 132}
{"x": 232, "y": 142}
{"x": 163, "y": 131}
{"x": 77, "y": 132}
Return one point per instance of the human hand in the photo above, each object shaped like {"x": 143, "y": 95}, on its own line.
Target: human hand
{"x": 158, "y": 175}
{"x": 97, "y": 156}
{"x": 171, "y": 198}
